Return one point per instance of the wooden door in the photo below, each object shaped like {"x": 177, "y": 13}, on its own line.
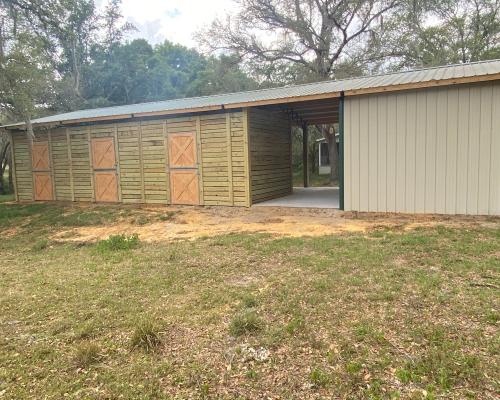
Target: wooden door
{"x": 42, "y": 186}
{"x": 184, "y": 186}
{"x": 43, "y": 189}
{"x": 104, "y": 165}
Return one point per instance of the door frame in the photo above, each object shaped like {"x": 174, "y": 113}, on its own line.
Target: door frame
{"x": 42, "y": 171}
{"x": 114, "y": 169}
{"x": 195, "y": 167}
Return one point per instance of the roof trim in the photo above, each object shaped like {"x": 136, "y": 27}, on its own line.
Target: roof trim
{"x": 423, "y": 85}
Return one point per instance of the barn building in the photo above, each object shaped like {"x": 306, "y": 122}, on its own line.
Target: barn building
{"x": 424, "y": 141}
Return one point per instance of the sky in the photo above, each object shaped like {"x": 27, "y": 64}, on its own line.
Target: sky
{"x": 175, "y": 20}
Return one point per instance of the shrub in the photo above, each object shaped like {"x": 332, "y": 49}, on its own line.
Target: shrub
{"x": 245, "y": 322}
{"x": 118, "y": 242}
{"x": 86, "y": 354}
{"x": 146, "y": 336}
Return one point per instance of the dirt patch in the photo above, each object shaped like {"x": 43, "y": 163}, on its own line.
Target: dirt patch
{"x": 189, "y": 223}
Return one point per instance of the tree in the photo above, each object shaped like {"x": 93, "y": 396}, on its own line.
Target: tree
{"x": 430, "y": 32}
{"x": 310, "y": 37}
{"x": 315, "y": 35}
{"x": 136, "y": 72}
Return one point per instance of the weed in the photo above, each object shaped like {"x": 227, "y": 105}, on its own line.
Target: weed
{"x": 492, "y": 317}
{"x": 168, "y": 216}
{"x": 118, "y": 242}
{"x": 251, "y": 374}
{"x": 365, "y": 331}
{"x": 249, "y": 301}
{"x": 297, "y": 324}
{"x": 87, "y": 353}
{"x": 142, "y": 220}
{"x": 85, "y": 331}
{"x": 353, "y": 367}
{"x": 146, "y": 336}
{"x": 246, "y": 322}
{"x": 319, "y": 378}
{"x": 40, "y": 245}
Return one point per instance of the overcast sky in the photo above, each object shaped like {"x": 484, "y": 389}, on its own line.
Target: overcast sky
{"x": 175, "y": 20}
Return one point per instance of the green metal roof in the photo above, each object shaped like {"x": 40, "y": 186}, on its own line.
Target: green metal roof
{"x": 485, "y": 70}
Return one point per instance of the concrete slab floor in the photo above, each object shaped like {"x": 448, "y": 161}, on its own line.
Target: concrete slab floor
{"x": 312, "y": 197}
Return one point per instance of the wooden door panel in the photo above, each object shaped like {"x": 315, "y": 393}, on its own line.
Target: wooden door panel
{"x": 182, "y": 150}
{"x": 43, "y": 186}
{"x": 40, "y": 156}
{"x": 106, "y": 187}
{"x": 103, "y": 153}
{"x": 184, "y": 187}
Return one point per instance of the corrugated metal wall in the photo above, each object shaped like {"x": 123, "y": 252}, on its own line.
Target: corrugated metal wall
{"x": 424, "y": 151}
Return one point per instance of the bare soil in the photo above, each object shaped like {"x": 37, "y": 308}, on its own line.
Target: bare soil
{"x": 156, "y": 224}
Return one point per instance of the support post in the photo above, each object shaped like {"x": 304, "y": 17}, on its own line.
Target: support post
{"x": 341, "y": 151}
{"x": 305, "y": 154}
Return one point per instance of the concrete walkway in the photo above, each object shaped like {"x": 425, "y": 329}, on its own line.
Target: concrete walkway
{"x": 313, "y": 197}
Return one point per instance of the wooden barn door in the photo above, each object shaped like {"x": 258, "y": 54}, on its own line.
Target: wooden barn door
{"x": 184, "y": 185}
{"x": 104, "y": 165}
{"x": 42, "y": 176}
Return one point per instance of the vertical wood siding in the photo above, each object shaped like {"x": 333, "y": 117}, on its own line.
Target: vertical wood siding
{"x": 425, "y": 151}
{"x": 142, "y": 159}
{"x": 22, "y": 159}
{"x": 60, "y": 163}
{"x": 270, "y": 154}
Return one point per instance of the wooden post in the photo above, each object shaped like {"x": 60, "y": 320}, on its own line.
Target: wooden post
{"x": 141, "y": 165}
{"x": 247, "y": 153}
{"x": 13, "y": 158}
{"x": 229, "y": 159}
{"x": 117, "y": 161}
{"x": 305, "y": 154}
{"x": 70, "y": 165}
{"x": 167, "y": 166}
{"x": 51, "y": 163}
{"x": 91, "y": 165}
{"x": 199, "y": 158}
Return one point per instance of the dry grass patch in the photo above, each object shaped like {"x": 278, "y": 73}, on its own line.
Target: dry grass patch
{"x": 383, "y": 314}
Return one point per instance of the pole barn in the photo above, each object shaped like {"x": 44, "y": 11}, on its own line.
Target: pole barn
{"x": 424, "y": 141}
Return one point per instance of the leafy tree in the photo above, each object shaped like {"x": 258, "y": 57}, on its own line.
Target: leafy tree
{"x": 301, "y": 41}
{"x": 431, "y": 32}
{"x": 136, "y": 72}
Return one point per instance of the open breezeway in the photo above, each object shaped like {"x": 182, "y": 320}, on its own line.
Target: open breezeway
{"x": 311, "y": 197}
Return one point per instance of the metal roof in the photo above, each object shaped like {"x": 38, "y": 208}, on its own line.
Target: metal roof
{"x": 478, "y": 71}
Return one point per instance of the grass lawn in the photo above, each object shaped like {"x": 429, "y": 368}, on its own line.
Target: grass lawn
{"x": 315, "y": 179}
{"x": 388, "y": 314}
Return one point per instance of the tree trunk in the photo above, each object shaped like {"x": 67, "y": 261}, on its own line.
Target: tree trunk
{"x": 328, "y": 132}
{"x": 333, "y": 157}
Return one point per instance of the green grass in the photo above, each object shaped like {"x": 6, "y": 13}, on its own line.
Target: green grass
{"x": 117, "y": 243}
{"x": 388, "y": 314}
{"x": 315, "y": 179}
{"x": 6, "y": 197}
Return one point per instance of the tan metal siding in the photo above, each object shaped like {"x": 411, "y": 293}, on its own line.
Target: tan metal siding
{"x": 424, "y": 151}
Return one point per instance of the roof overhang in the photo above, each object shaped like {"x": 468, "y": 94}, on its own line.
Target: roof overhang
{"x": 307, "y": 105}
